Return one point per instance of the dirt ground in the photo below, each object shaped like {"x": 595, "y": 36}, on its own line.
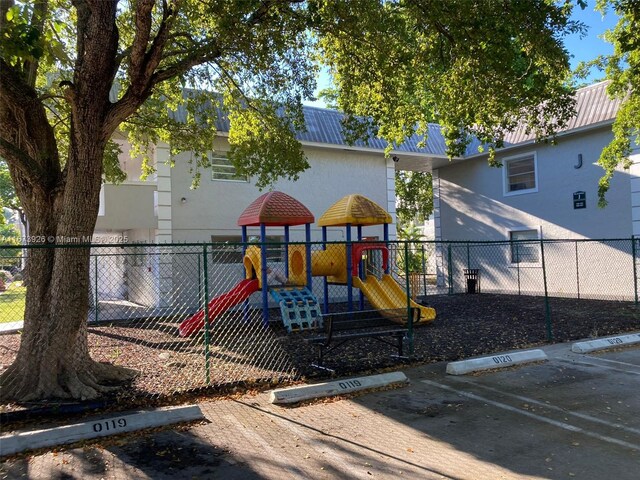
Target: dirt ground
{"x": 243, "y": 353}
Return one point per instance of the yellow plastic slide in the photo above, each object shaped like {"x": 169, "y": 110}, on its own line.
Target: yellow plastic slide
{"x": 386, "y": 294}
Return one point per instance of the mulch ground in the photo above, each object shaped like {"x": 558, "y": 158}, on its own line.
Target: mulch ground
{"x": 471, "y": 325}
{"x": 246, "y": 353}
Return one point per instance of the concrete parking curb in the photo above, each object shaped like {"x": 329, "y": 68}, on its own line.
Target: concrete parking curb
{"x": 19, "y": 442}
{"x": 605, "y": 343}
{"x": 496, "y": 361}
{"x": 338, "y": 387}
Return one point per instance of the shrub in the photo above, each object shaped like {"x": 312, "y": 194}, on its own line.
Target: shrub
{"x": 6, "y": 276}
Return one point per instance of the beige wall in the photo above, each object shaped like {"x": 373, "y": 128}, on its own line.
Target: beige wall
{"x": 127, "y": 206}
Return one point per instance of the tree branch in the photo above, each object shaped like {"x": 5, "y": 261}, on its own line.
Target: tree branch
{"x": 143, "y": 63}
{"x": 186, "y": 64}
{"x": 143, "y": 72}
{"x": 37, "y": 21}
{"x": 160, "y": 41}
{"x": 27, "y": 135}
{"x": 132, "y": 99}
{"x": 238, "y": 88}
{"x": 141, "y": 38}
{"x": 23, "y": 162}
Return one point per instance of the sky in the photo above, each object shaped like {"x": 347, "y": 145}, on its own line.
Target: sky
{"x": 591, "y": 46}
{"x": 581, "y": 49}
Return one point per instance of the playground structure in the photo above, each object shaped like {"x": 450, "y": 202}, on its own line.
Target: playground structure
{"x": 360, "y": 264}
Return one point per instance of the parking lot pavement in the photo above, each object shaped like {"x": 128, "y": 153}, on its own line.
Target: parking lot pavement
{"x": 574, "y": 416}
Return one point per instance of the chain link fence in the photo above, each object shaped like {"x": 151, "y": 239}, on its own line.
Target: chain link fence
{"x": 197, "y": 316}
{"x": 596, "y": 269}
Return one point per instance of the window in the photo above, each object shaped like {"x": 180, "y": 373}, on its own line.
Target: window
{"x": 520, "y": 175}
{"x": 223, "y": 169}
{"x": 525, "y": 246}
{"x": 228, "y": 248}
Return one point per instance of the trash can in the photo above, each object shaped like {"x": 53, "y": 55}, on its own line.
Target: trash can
{"x": 472, "y": 276}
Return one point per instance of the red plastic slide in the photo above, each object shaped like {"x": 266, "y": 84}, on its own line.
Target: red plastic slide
{"x": 218, "y": 305}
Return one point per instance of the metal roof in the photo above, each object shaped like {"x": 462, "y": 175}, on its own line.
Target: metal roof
{"x": 593, "y": 107}
{"x": 324, "y": 126}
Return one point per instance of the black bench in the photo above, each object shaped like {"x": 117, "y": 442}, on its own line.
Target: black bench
{"x": 387, "y": 326}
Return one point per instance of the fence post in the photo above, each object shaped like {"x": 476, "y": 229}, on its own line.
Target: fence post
{"x": 547, "y": 307}
{"x": 449, "y": 269}
{"x": 205, "y": 309}
{"x": 578, "y": 271}
{"x": 96, "y": 304}
{"x": 518, "y": 266}
{"x": 468, "y": 256}
{"x": 406, "y": 275}
{"x": 635, "y": 269}
{"x": 424, "y": 272}
{"x": 199, "y": 275}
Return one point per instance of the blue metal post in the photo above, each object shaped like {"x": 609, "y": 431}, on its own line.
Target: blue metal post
{"x": 386, "y": 242}
{"x": 325, "y": 282}
{"x": 361, "y": 272}
{"x": 307, "y": 235}
{"x": 286, "y": 251}
{"x": 263, "y": 267}
{"x": 349, "y": 269}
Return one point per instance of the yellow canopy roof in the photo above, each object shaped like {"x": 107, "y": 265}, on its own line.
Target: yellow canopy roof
{"x": 355, "y": 210}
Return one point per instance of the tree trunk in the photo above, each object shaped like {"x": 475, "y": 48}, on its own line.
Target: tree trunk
{"x": 62, "y": 206}
{"x": 53, "y": 360}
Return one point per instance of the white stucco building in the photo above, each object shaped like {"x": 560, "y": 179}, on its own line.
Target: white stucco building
{"x": 164, "y": 209}
{"x": 543, "y": 191}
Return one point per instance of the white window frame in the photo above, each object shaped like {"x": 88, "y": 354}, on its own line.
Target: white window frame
{"x": 505, "y": 176}
{"x": 219, "y": 156}
{"x": 275, "y": 253}
{"x": 520, "y": 264}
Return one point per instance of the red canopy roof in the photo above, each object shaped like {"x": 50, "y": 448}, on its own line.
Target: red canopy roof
{"x": 275, "y": 209}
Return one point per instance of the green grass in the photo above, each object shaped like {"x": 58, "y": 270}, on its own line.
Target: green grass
{"x": 12, "y": 303}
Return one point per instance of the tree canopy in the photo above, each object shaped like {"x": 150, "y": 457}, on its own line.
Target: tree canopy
{"x": 414, "y": 194}
{"x": 622, "y": 68}
{"x": 473, "y": 67}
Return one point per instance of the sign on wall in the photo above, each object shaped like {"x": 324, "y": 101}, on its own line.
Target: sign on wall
{"x": 579, "y": 200}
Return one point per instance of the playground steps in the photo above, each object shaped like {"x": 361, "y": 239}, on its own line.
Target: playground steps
{"x": 300, "y": 308}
